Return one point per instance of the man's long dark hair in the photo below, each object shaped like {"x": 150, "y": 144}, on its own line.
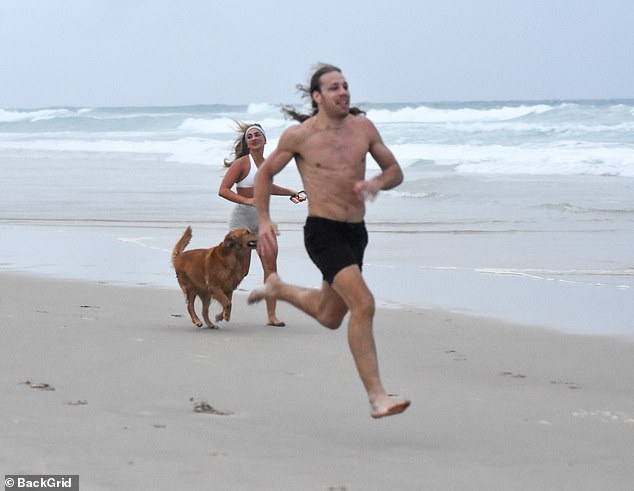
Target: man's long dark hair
{"x": 315, "y": 85}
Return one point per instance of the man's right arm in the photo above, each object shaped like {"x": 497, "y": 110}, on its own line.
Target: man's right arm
{"x": 275, "y": 162}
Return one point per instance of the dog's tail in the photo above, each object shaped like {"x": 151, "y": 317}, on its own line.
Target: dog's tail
{"x": 182, "y": 243}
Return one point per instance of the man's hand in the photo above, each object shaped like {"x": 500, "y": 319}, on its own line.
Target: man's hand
{"x": 267, "y": 239}
{"x": 366, "y": 190}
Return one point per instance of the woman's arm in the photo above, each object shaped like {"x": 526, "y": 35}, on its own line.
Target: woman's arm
{"x": 234, "y": 174}
{"x": 280, "y": 191}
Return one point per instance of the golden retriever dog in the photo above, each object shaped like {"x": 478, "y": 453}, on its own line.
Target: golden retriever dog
{"x": 212, "y": 273}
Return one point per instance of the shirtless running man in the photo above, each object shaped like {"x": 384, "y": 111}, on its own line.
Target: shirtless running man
{"x": 330, "y": 148}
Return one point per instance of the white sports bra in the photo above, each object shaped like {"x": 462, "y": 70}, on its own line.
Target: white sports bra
{"x": 249, "y": 180}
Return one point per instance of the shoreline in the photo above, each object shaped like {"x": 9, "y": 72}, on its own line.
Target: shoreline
{"x": 495, "y": 405}
{"x": 429, "y": 270}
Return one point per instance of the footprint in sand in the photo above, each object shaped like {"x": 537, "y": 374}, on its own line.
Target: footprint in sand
{"x": 456, "y": 355}
{"x": 604, "y": 415}
{"x": 77, "y": 403}
{"x": 40, "y": 386}
{"x": 570, "y": 385}
{"x": 204, "y": 407}
{"x": 512, "y": 375}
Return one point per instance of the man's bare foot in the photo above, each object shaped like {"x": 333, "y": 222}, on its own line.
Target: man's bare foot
{"x": 265, "y": 291}
{"x": 388, "y": 408}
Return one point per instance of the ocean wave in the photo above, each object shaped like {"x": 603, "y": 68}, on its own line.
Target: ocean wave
{"x": 14, "y": 116}
{"x": 545, "y": 138}
{"x": 113, "y": 116}
{"x": 262, "y": 108}
{"x": 186, "y": 150}
{"x": 539, "y": 128}
{"x": 193, "y": 146}
{"x": 199, "y": 125}
{"x": 570, "y": 208}
{"x": 540, "y": 273}
{"x": 409, "y": 194}
{"x": 587, "y": 277}
{"x": 561, "y": 158}
{"x": 227, "y": 125}
{"x": 426, "y": 114}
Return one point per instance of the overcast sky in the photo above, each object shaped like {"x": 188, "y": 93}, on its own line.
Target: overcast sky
{"x": 173, "y": 52}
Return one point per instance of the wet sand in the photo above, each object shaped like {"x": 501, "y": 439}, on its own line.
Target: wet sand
{"x": 115, "y": 384}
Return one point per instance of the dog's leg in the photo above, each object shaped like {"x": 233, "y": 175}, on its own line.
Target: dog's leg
{"x": 225, "y": 302}
{"x": 206, "y": 302}
{"x": 225, "y": 313}
{"x": 191, "y": 299}
{"x": 230, "y": 298}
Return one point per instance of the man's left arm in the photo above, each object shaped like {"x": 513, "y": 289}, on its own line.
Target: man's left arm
{"x": 391, "y": 173}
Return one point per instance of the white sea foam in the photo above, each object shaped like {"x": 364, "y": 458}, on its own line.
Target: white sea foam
{"x": 571, "y": 158}
{"x": 407, "y": 194}
{"x": 13, "y": 116}
{"x": 224, "y": 125}
{"x": 208, "y": 126}
{"x": 425, "y": 114}
{"x": 256, "y": 108}
{"x": 561, "y": 158}
{"x": 575, "y": 138}
{"x": 143, "y": 242}
{"x": 571, "y": 276}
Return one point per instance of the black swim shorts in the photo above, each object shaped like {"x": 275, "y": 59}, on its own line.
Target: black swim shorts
{"x": 334, "y": 245}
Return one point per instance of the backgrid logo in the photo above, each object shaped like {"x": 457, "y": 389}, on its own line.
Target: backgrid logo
{"x": 41, "y": 481}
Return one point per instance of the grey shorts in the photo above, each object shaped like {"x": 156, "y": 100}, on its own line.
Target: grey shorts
{"x": 244, "y": 216}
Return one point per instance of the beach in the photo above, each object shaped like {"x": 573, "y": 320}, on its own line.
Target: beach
{"x": 518, "y": 210}
{"x": 115, "y": 384}
{"x": 501, "y": 267}
{"x": 502, "y": 272}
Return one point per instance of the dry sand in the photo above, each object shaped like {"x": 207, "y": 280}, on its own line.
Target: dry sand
{"x": 115, "y": 384}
